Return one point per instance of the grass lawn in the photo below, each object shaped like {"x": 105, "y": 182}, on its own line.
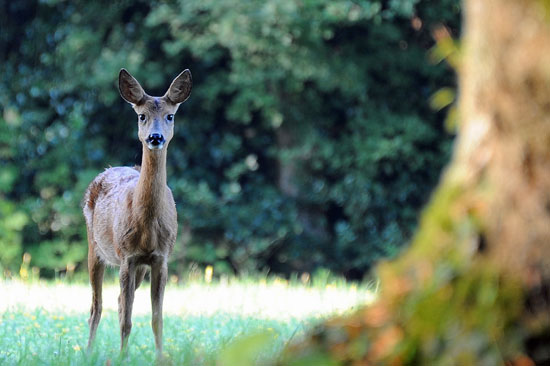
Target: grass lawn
{"x": 44, "y": 323}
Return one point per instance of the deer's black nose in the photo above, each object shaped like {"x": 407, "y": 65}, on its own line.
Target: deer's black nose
{"x": 155, "y": 139}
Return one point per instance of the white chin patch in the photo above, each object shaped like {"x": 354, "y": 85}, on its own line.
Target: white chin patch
{"x": 155, "y": 147}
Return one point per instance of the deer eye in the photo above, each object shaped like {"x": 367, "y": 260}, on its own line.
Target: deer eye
{"x": 170, "y": 117}
{"x": 141, "y": 117}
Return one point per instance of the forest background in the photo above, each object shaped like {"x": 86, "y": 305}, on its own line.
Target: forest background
{"x": 313, "y": 136}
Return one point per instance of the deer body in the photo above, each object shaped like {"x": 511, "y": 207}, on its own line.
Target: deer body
{"x": 125, "y": 226}
{"x": 130, "y": 214}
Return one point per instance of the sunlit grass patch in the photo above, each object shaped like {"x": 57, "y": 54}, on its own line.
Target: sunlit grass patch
{"x": 191, "y": 340}
{"x": 46, "y": 324}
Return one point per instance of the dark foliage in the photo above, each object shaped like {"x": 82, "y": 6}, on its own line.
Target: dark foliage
{"x": 308, "y": 139}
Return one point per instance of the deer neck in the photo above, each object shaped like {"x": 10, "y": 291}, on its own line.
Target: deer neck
{"x": 150, "y": 192}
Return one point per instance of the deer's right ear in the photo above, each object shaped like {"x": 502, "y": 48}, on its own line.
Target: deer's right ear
{"x": 129, "y": 88}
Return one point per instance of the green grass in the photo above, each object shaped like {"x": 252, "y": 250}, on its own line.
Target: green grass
{"x": 46, "y": 323}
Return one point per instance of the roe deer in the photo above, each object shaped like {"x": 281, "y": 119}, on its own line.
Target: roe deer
{"x": 131, "y": 215}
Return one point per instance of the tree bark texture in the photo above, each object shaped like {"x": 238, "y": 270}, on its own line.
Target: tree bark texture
{"x": 504, "y": 145}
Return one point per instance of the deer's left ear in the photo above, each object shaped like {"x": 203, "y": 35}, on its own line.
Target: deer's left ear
{"x": 179, "y": 90}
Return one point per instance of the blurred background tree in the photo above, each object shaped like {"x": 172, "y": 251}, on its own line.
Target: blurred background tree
{"x": 308, "y": 140}
{"x": 474, "y": 287}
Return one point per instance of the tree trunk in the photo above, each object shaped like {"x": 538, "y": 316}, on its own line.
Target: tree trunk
{"x": 473, "y": 287}
{"x": 504, "y": 145}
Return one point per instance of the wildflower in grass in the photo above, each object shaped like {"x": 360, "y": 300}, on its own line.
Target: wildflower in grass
{"x": 305, "y": 277}
{"x": 24, "y": 270}
{"x": 76, "y": 348}
{"x": 280, "y": 282}
{"x": 26, "y": 258}
{"x": 208, "y": 272}
{"x": 36, "y": 325}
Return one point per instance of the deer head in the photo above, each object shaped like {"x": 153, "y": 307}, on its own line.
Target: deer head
{"x": 155, "y": 114}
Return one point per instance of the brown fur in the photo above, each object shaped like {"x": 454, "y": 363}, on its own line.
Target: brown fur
{"x": 131, "y": 215}
{"x": 93, "y": 193}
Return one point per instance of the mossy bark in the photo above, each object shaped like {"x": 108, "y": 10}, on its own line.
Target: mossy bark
{"x": 472, "y": 288}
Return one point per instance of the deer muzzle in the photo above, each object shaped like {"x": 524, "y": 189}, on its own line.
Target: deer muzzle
{"x": 155, "y": 141}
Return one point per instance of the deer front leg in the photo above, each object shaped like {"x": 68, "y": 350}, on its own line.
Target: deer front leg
{"x": 159, "y": 272}
{"x": 126, "y": 300}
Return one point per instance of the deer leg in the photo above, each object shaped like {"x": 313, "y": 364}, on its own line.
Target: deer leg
{"x": 159, "y": 273}
{"x": 140, "y": 274}
{"x": 126, "y": 300}
{"x": 96, "y": 269}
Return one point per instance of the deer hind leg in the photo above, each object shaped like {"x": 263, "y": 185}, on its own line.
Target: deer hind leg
{"x": 159, "y": 272}
{"x": 96, "y": 268}
{"x": 126, "y": 300}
